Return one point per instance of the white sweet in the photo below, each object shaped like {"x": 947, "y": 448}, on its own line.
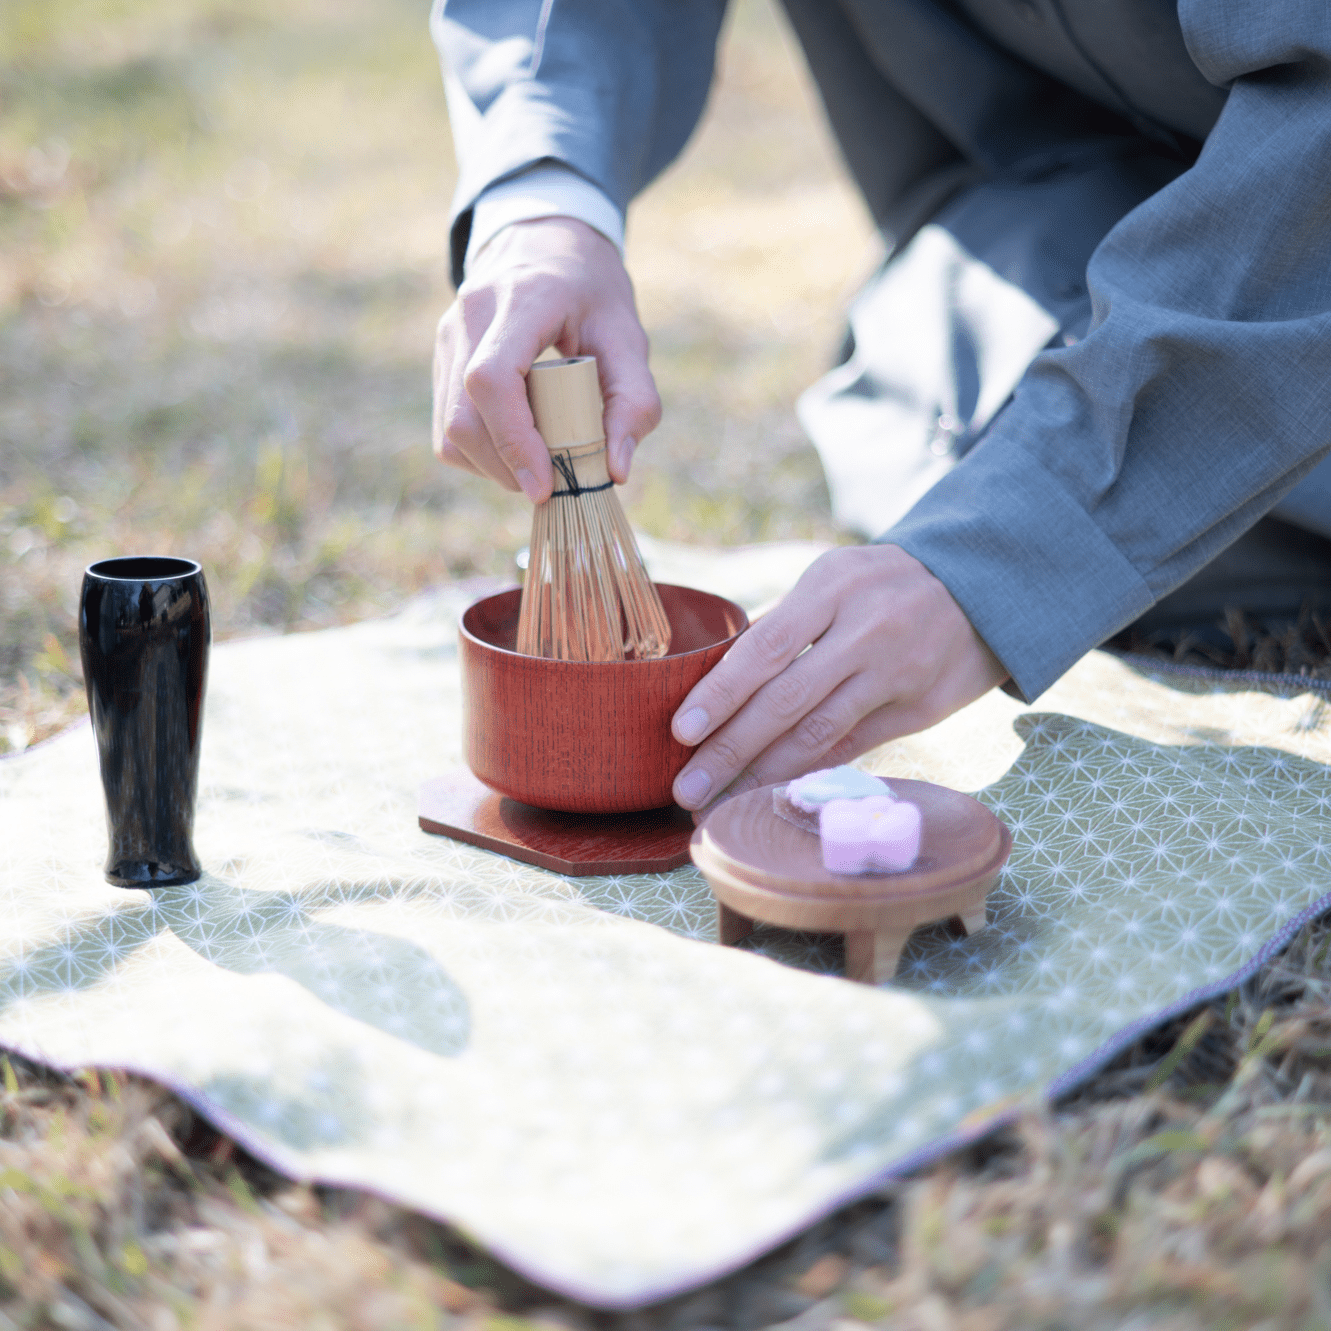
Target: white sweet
{"x": 811, "y": 792}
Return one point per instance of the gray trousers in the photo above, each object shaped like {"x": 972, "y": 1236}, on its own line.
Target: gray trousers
{"x": 985, "y": 270}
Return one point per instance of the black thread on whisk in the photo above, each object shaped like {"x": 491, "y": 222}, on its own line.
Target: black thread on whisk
{"x": 564, "y": 465}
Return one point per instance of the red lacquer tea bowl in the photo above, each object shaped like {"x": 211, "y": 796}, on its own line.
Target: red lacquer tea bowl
{"x": 584, "y": 736}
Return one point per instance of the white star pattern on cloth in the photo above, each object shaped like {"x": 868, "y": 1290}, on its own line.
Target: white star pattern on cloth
{"x": 489, "y": 1041}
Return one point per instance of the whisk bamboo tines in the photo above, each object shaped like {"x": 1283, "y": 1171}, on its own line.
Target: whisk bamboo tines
{"x": 587, "y": 596}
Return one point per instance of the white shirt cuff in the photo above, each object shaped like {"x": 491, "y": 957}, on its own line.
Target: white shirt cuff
{"x": 547, "y": 190}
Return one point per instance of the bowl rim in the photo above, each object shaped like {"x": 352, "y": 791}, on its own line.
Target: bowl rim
{"x": 465, "y": 632}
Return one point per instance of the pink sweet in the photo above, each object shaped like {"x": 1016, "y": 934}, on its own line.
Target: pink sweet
{"x": 870, "y": 835}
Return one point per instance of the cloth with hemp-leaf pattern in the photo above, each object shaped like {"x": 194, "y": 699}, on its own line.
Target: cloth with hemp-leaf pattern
{"x": 571, "y": 1069}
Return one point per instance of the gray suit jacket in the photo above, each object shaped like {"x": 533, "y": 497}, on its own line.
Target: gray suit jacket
{"x": 1156, "y": 182}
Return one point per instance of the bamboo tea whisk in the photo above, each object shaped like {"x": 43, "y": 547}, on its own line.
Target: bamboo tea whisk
{"x": 587, "y": 596}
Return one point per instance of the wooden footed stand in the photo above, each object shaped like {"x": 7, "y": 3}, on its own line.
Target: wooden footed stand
{"x": 764, "y": 869}
{"x": 871, "y": 955}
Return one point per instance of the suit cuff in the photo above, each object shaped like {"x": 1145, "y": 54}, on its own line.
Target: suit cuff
{"x": 1040, "y": 582}
{"x": 548, "y": 189}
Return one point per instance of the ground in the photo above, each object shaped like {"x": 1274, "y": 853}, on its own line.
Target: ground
{"x": 222, "y": 254}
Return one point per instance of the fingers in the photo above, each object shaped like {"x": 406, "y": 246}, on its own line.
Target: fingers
{"x": 551, "y": 282}
{"x": 799, "y": 751}
{"x": 756, "y": 748}
{"x": 494, "y": 381}
{"x": 806, "y": 699}
{"x": 758, "y": 676}
{"x": 746, "y": 780}
{"x": 892, "y": 652}
{"x": 456, "y": 430}
{"x": 632, "y": 404}
{"x": 458, "y": 434}
{"x": 484, "y": 347}
{"x": 877, "y": 723}
{"x": 764, "y": 650}
{"x": 446, "y": 453}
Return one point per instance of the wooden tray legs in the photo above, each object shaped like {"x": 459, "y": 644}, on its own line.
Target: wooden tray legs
{"x": 973, "y": 923}
{"x": 731, "y": 926}
{"x": 871, "y": 955}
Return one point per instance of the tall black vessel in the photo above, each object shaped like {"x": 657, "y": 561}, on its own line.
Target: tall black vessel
{"x": 144, "y": 633}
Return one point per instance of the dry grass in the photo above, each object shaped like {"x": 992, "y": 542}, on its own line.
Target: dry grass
{"x": 106, "y": 1221}
{"x": 222, "y": 255}
{"x": 1300, "y": 648}
{"x": 222, "y": 259}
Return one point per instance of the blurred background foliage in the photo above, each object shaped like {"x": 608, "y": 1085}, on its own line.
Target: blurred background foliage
{"x": 222, "y": 256}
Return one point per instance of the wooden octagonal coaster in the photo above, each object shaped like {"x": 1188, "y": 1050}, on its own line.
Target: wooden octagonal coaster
{"x": 761, "y": 867}
{"x": 457, "y": 805}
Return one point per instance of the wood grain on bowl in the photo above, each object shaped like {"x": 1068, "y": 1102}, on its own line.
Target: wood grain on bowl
{"x": 584, "y": 736}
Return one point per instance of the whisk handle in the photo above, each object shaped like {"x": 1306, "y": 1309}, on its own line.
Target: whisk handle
{"x": 565, "y": 397}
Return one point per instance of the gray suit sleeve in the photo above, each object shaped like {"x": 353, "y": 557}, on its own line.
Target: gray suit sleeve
{"x": 610, "y": 88}
{"x": 1201, "y": 394}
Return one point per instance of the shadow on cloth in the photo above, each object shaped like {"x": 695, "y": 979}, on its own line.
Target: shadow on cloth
{"x": 386, "y": 982}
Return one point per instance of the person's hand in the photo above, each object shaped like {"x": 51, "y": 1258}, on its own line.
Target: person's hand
{"x": 889, "y": 653}
{"x": 554, "y": 282}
